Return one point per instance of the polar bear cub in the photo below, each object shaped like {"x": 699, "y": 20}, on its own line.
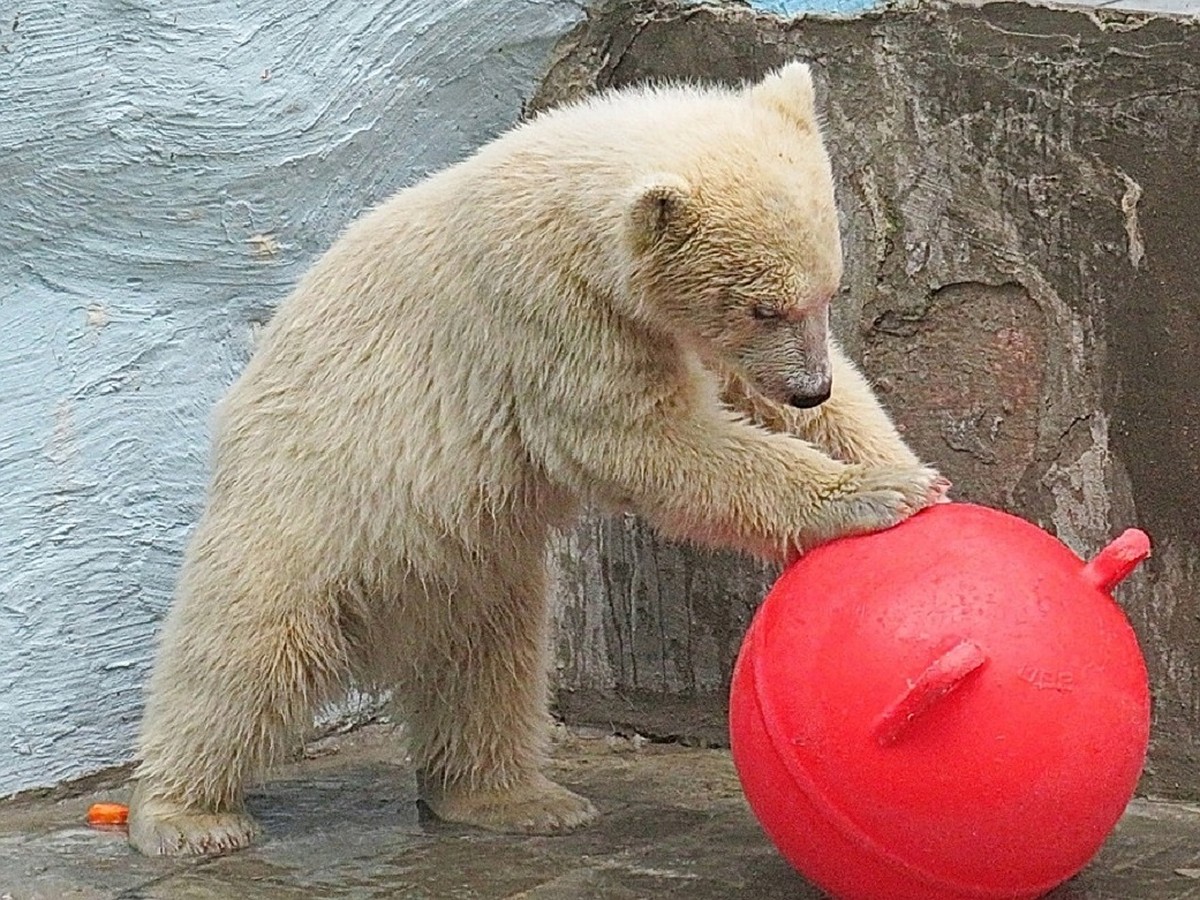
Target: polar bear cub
{"x": 622, "y": 302}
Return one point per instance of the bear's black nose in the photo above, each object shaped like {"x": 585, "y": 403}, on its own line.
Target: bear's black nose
{"x": 808, "y": 401}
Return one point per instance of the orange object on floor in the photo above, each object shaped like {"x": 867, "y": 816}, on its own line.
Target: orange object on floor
{"x": 108, "y": 814}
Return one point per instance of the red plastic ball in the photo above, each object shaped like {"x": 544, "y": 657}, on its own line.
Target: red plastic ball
{"x": 951, "y": 709}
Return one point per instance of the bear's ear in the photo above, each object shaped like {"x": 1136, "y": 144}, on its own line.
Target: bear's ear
{"x": 789, "y": 91}
{"x": 661, "y": 208}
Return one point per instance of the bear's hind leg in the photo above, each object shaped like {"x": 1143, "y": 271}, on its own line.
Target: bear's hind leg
{"x": 476, "y": 705}
{"x": 235, "y": 683}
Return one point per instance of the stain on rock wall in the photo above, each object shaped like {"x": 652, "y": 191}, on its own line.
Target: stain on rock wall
{"x": 983, "y": 410}
{"x": 1019, "y": 189}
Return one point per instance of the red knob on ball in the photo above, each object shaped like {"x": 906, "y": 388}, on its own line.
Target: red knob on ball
{"x": 953, "y": 709}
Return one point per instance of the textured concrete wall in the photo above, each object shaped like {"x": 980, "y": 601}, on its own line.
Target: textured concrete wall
{"x": 1019, "y": 190}
{"x": 169, "y": 169}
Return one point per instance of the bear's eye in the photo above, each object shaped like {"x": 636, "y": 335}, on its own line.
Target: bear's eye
{"x": 765, "y": 312}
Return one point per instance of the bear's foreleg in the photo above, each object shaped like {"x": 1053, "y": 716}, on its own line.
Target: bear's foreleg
{"x": 723, "y": 482}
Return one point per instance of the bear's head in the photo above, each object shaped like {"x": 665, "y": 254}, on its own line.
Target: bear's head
{"x": 738, "y": 246}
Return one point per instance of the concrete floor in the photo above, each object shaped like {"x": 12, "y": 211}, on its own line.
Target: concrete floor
{"x": 343, "y": 823}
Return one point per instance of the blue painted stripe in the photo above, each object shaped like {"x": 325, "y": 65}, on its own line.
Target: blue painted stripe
{"x": 827, "y": 7}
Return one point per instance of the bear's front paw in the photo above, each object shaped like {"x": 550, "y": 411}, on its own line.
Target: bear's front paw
{"x": 872, "y": 498}
{"x": 537, "y": 807}
{"x": 161, "y": 828}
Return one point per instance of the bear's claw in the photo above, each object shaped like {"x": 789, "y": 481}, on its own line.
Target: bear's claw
{"x": 878, "y": 497}
{"x": 161, "y": 828}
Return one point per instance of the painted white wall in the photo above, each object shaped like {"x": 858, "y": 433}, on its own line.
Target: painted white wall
{"x": 167, "y": 171}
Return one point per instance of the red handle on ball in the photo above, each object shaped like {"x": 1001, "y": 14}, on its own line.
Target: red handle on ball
{"x": 1117, "y": 560}
{"x": 940, "y": 677}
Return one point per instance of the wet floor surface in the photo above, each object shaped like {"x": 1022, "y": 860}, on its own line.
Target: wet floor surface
{"x": 344, "y": 824}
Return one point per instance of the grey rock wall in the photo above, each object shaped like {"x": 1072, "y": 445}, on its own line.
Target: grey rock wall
{"x": 1020, "y": 195}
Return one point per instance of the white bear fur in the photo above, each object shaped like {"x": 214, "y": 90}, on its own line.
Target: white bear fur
{"x": 552, "y": 322}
